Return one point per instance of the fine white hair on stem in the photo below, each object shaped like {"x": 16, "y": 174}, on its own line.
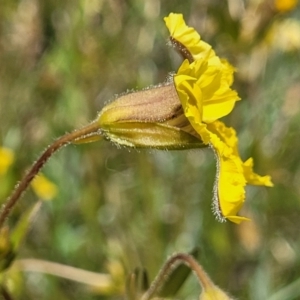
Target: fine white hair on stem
{"x": 216, "y": 200}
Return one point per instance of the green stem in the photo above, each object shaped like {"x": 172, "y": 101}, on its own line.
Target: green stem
{"x": 88, "y": 131}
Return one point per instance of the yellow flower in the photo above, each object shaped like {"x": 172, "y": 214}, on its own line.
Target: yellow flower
{"x": 6, "y": 159}
{"x": 43, "y": 187}
{"x": 203, "y": 83}
{"x": 285, "y": 5}
{"x": 285, "y": 35}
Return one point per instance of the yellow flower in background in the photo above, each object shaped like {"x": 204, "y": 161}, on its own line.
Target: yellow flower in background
{"x": 285, "y": 5}
{"x": 203, "y": 83}
{"x": 285, "y": 35}
{"x": 43, "y": 187}
{"x": 6, "y": 159}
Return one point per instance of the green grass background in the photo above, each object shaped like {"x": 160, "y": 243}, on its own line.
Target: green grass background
{"x": 61, "y": 61}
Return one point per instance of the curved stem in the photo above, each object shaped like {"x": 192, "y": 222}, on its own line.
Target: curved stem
{"x": 88, "y": 131}
{"x": 97, "y": 280}
{"x": 167, "y": 269}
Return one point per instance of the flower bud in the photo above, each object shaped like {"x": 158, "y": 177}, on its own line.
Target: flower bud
{"x": 151, "y": 118}
{"x": 214, "y": 293}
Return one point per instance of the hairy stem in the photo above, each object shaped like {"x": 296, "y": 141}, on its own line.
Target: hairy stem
{"x": 182, "y": 50}
{"x": 167, "y": 269}
{"x": 88, "y": 131}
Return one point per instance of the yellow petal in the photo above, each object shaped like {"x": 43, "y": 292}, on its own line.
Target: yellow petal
{"x": 237, "y": 219}
{"x": 232, "y": 173}
{"x": 189, "y": 92}
{"x": 253, "y": 178}
{"x": 225, "y": 134}
{"x": 205, "y": 87}
{"x": 188, "y": 37}
{"x": 205, "y": 83}
{"x": 219, "y": 99}
{"x": 229, "y": 189}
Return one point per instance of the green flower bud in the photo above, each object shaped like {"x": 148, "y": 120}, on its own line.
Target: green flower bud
{"x": 151, "y": 118}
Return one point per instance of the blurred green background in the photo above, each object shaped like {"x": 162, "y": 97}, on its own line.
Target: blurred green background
{"x": 61, "y": 61}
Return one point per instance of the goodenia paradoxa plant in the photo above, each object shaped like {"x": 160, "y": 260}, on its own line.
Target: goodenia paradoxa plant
{"x": 182, "y": 113}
